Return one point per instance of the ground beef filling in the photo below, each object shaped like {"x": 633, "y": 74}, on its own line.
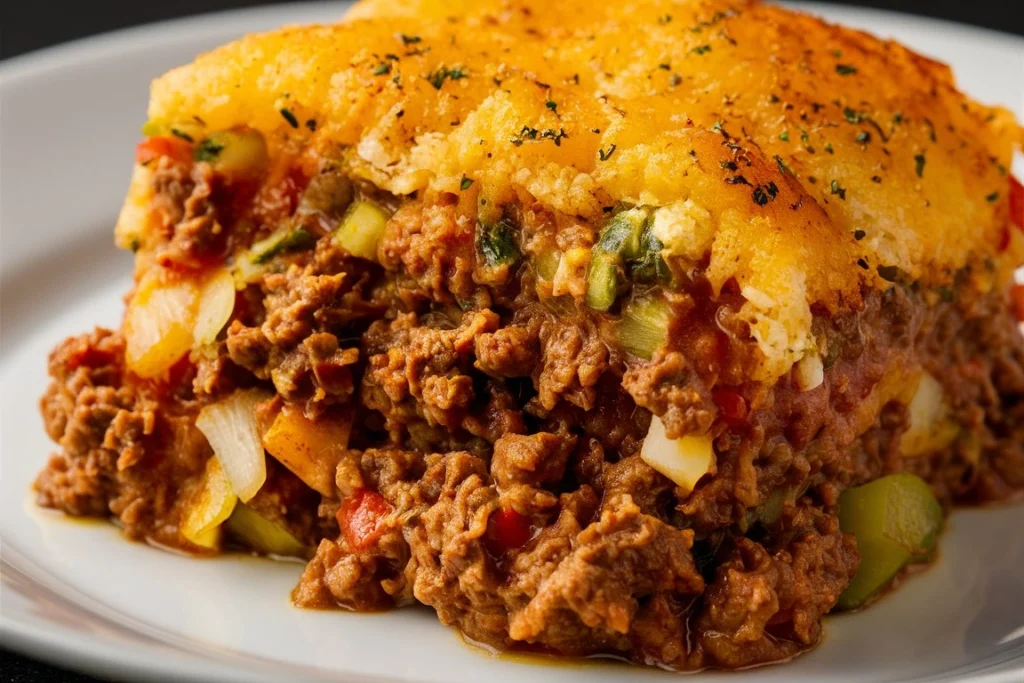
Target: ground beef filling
{"x": 505, "y": 441}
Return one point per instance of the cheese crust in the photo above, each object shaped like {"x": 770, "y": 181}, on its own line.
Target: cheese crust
{"x": 807, "y": 162}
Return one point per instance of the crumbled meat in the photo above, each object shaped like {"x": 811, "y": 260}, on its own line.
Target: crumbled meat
{"x": 669, "y": 387}
{"x": 431, "y": 248}
{"x": 536, "y": 459}
{"x": 194, "y": 237}
{"x": 122, "y": 454}
{"x": 420, "y": 373}
{"x": 309, "y": 312}
{"x": 765, "y": 603}
{"x": 500, "y": 433}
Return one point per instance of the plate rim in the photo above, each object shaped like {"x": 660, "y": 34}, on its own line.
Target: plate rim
{"x": 92, "y": 653}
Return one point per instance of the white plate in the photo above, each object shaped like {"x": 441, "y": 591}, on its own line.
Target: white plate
{"x": 79, "y": 594}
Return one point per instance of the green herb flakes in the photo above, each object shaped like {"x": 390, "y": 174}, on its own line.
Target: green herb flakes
{"x": 852, "y": 116}
{"x": 208, "y": 150}
{"x": 837, "y": 189}
{"x": 919, "y": 162}
{"x": 443, "y": 73}
{"x": 289, "y": 117}
{"x": 763, "y": 194}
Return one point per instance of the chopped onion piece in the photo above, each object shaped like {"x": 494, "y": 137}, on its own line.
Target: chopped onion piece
{"x": 809, "y": 372}
{"x": 211, "y": 504}
{"x": 216, "y": 303}
{"x": 158, "y": 324}
{"x": 231, "y": 428}
{"x": 930, "y": 425}
{"x": 684, "y": 460}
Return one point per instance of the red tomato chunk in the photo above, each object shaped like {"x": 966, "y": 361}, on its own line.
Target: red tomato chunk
{"x": 156, "y": 147}
{"x": 507, "y": 530}
{"x": 361, "y": 518}
{"x": 1017, "y": 301}
{"x": 1016, "y": 203}
{"x": 732, "y": 407}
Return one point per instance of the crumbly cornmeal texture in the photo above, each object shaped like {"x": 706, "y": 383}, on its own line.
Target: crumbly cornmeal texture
{"x": 809, "y": 162}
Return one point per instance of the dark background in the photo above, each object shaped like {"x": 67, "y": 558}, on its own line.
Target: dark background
{"x": 27, "y": 25}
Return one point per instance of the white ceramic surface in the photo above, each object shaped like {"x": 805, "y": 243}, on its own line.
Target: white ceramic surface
{"x": 78, "y": 594}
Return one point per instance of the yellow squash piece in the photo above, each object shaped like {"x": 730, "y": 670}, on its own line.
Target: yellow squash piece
{"x": 214, "y": 307}
{"x": 158, "y": 323}
{"x": 309, "y": 449}
{"x": 212, "y": 503}
{"x": 167, "y": 316}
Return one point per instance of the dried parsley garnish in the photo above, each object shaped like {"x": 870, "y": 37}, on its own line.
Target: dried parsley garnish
{"x": 289, "y": 117}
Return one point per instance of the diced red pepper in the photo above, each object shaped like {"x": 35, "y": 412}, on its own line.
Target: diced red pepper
{"x": 1017, "y": 301}
{"x": 1004, "y": 239}
{"x": 507, "y": 530}
{"x": 160, "y": 146}
{"x": 361, "y": 518}
{"x": 732, "y": 407}
{"x": 88, "y": 356}
{"x": 1016, "y": 203}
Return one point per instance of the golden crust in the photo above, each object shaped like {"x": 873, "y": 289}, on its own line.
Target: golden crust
{"x": 799, "y": 157}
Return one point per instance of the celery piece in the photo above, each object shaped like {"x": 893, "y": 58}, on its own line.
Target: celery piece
{"x": 233, "y": 152}
{"x": 361, "y": 229}
{"x": 649, "y": 267}
{"x": 896, "y": 520}
{"x": 547, "y": 264}
{"x": 602, "y": 282}
{"x": 622, "y": 234}
{"x": 261, "y": 534}
{"x": 280, "y": 241}
{"x": 644, "y": 326}
{"x": 618, "y": 244}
